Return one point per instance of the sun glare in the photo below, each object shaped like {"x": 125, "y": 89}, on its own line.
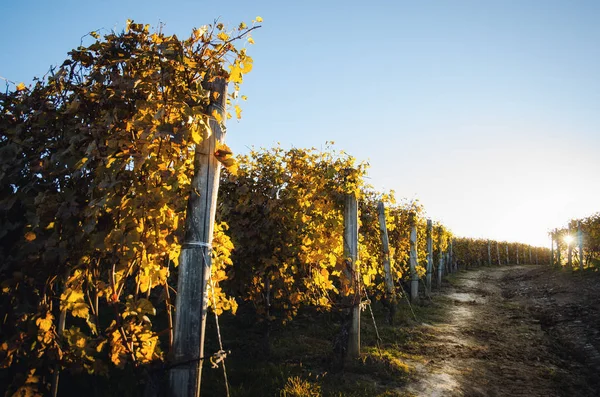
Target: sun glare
{"x": 569, "y": 239}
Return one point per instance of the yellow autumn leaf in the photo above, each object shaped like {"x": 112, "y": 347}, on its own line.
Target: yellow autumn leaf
{"x": 81, "y": 310}
{"x": 235, "y": 74}
{"x": 70, "y": 297}
{"x": 196, "y": 135}
{"x": 21, "y": 87}
{"x": 238, "y": 112}
{"x": 225, "y": 156}
{"x": 223, "y": 36}
{"x": 259, "y": 19}
{"x": 174, "y": 254}
{"x": 250, "y": 40}
{"x": 44, "y": 324}
{"x": 246, "y": 65}
{"x": 30, "y": 236}
{"x": 217, "y": 116}
{"x": 366, "y": 279}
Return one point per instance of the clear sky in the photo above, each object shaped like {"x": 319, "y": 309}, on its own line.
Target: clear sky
{"x": 488, "y": 111}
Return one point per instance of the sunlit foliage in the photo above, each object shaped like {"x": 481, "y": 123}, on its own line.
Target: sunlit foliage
{"x": 96, "y": 161}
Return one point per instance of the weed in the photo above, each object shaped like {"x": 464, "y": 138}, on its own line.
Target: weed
{"x": 297, "y": 387}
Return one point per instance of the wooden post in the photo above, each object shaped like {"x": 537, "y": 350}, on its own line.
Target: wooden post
{"x": 429, "y": 255}
{"x": 414, "y": 277}
{"x": 558, "y": 258}
{"x": 498, "y": 253}
{"x": 552, "y": 249}
{"x": 451, "y": 260}
{"x": 580, "y": 243}
{"x": 195, "y": 259}
{"x": 351, "y": 255}
{"x": 489, "y": 253}
{"x": 536, "y": 255}
{"x": 570, "y": 250}
{"x": 507, "y": 258}
{"x": 517, "y": 254}
{"x": 441, "y": 259}
{"x": 530, "y": 260}
{"x": 389, "y": 280}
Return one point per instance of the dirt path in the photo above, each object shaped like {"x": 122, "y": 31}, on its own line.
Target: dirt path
{"x": 511, "y": 331}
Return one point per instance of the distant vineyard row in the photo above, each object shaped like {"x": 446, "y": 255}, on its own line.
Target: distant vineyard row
{"x": 577, "y": 245}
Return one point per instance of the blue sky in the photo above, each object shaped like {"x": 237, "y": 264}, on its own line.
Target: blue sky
{"x": 488, "y": 112}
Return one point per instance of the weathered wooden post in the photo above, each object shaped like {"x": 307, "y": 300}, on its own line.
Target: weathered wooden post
{"x": 447, "y": 268}
{"x": 195, "y": 259}
{"x": 558, "y": 256}
{"x": 429, "y": 255}
{"x": 441, "y": 259}
{"x": 517, "y": 254}
{"x": 552, "y": 249}
{"x": 569, "y": 249}
{"x": 389, "y": 281}
{"x": 451, "y": 257}
{"x": 351, "y": 255}
{"x": 498, "y": 253}
{"x": 414, "y": 277}
{"x": 580, "y": 243}
{"x": 507, "y": 258}
{"x": 489, "y": 253}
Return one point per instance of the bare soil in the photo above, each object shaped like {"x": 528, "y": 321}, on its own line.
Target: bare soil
{"x": 511, "y": 331}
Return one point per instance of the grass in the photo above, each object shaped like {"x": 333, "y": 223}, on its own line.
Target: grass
{"x": 297, "y": 359}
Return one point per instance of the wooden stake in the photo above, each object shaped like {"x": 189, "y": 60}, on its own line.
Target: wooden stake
{"x": 570, "y": 250}
{"x": 580, "y": 242}
{"x": 414, "y": 277}
{"x": 558, "y": 258}
{"x": 517, "y": 254}
{"x": 451, "y": 260}
{"x": 351, "y": 254}
{"x": 498, "y": 253}
{"x": 429, "y": 255}
{"x": 489, "y": 253}
{"x": 389, "y": 280}
{"x": 441, "y": 259}
{"x": 552, "y": 249}
{"x": 507, "y": 258}
{"x": 195, "y": 260}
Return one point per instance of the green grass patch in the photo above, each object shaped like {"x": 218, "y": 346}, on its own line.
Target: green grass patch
{"x": 296, "y": 359}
